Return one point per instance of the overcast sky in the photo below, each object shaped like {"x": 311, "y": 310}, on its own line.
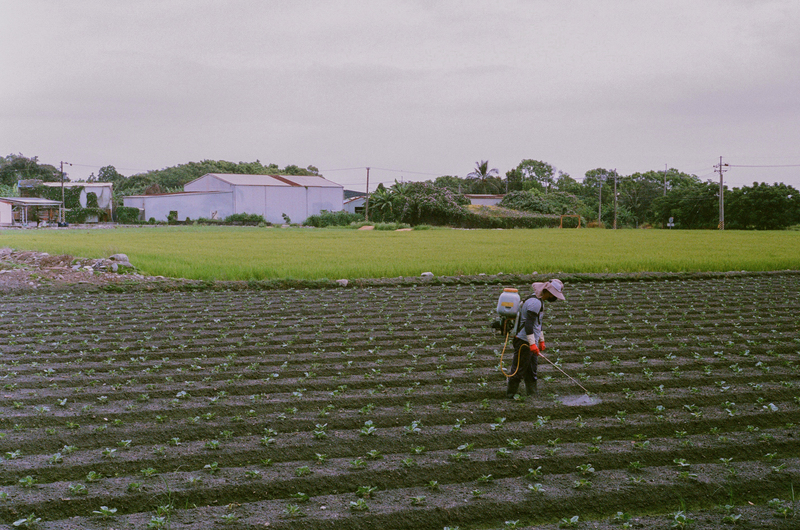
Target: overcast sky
{"x": 426, "y": 87}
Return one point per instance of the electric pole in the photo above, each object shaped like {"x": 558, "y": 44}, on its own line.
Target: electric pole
{"x": 665, "y": 180}
{"x": 366, "y": 201}
{"x": 721, "y": 194}
{"x": 615, "y": 198}
{"x": 63, "y": 214}
{"x": 600, "y": 201}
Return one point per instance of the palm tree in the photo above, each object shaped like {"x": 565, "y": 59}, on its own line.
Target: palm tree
{"x": 483, "y": 177}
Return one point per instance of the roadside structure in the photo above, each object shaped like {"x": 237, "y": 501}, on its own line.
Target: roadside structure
{"x": 218, "y": 195}
{"x": 22, "y": 211}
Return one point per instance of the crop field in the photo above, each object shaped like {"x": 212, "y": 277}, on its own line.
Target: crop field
{"x": 252, "y": 253}
{"x": 385, "y": 408}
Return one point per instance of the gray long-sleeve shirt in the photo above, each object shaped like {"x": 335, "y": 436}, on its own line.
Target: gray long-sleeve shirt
{"x": 531, "y": 319}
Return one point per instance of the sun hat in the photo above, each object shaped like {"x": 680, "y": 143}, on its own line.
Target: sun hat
{"x": 554, "y": 287}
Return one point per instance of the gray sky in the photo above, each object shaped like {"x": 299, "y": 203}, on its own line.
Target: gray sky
{"x": 421, "y": 86}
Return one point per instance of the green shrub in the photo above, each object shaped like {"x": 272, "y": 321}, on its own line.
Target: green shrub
{"x": 423, "y": 203}
{"x": 91, "y": 200}
{"x": 127, "y": 215}
{"x": 391, "y": 226}
{"x": 488, "y": 217}
{"x": 71, "y": 195}
{"x": 245, "y": 218}
{"x": 534, "y": 201}
{"x": 326, "y": 218}
{"x": 79, "y": 215}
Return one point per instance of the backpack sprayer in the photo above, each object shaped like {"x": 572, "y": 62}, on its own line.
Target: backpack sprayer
{"x": 508, "y": 309}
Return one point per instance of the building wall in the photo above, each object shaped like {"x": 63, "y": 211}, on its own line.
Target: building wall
{"x": 298, "y": 203}
{"x": 6, "y": 215}
{"x": 355, "y": 205}
{"x": 331, "y": 199}
{"x": 191, "y": 205}
{"x": 271, "y": 202}
{"x": 103, "y": 193}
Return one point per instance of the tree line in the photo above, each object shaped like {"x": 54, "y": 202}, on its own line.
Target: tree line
{"x": 646, "y": 198}
{"x": 534, "y": 186}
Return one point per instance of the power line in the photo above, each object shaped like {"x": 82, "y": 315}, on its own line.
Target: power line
{"x": 343, "y": 169}
{"x": 786, "y": 165}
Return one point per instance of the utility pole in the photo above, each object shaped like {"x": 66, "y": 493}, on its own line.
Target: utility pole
{"x": 366, "y": 201}
{"x": 615, "y": 198}
{"x": 721, "y": 194}
{"x": 63, "y": 214}
{"x": 665, "y": 180}
{"x": 600, "y": 201}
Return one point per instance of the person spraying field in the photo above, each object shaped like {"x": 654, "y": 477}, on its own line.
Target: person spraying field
{"x": 526, "y": 326}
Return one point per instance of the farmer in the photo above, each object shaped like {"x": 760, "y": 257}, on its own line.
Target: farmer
{"x": 530, "y": 334}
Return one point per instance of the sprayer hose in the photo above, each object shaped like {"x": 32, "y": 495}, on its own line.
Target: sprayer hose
{"x": 501, "y": 359}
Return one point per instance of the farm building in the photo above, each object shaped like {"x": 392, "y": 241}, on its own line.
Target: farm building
{"x": 484, "y": 200}
{"x": 25, "y": 210}
{"x": 355, "y": 204}
{"x": 218, "y": 195}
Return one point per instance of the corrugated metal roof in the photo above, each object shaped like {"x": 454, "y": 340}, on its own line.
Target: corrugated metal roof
{"x": 180, "y": 193}
{"x": 74, "y": 183}
{"x": 236, "y": 179}
{"x": 30, "y": 201}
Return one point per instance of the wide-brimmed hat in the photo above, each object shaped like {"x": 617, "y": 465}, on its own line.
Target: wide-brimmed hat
{"x": 554, "y": 287}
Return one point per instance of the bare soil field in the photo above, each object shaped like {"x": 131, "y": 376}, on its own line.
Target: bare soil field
{"x": 383, "y": 407}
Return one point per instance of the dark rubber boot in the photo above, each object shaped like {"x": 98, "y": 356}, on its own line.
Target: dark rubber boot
{"x": 513, "y": 386}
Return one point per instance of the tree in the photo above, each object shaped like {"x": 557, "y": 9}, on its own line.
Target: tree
{"x": 14, "y": 168}
{"x": 109, "y": 174}
{"x": 485, "y": 180}
{"x": 538, "y": 173}
{"x": 567, "y": 184}
{"x": 762, "y": 207}
{"x": 381, "y": 205}
{"x": 454, "y": 184}
{"x": 691, "y": 204}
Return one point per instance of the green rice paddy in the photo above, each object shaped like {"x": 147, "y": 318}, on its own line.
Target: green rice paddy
{"x": 252, "y": 253}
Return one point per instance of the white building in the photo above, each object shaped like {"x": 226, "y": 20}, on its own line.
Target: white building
{"x": 218, "y": 195}
{"x": 483, "y": 199}
{"x": 355, "y": 204}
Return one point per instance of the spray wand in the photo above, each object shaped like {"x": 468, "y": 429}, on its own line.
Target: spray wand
{"x": 563, "y": 372}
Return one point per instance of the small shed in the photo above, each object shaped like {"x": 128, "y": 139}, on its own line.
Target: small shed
{"x": 24, "y": 210}
{"x": 355, "y": 204}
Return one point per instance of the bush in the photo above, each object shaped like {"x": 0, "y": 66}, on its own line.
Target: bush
{"x": 127, "y": 215}
{"x": 71, "y": 195}
{"x": 91, "y": 200}
{"x": 424, "y": 203}
{"x": 391, "y": 226}
{"x": 496, "y": 217}
{"x": 245, "y": 218}
{"x": 534, "y": 201}
{"x": 79, "y": 215}
{"x": 326, "y": 218}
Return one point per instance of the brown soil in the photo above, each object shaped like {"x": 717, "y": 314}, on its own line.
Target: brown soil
{"x": 223, "y": 405}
